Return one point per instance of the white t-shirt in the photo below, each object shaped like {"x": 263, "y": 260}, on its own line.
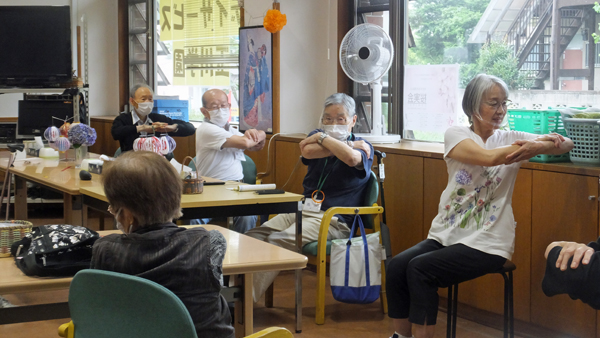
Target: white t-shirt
{"x": 212, "y": 161}
{"x": 475, "y": 208}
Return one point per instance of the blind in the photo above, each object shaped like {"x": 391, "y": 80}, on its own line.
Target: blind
{"x": 204, "y": 39}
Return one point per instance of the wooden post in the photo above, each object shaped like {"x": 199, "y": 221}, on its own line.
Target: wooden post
{"x": 555, "y": 47}
{"x": 276, "y": 82}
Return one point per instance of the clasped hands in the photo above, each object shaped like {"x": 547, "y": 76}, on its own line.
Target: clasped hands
{"x": 530, "y": 148}
{"x": 160, "y": 127}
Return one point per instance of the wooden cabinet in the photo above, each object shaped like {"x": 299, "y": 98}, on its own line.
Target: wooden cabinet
{"x": 287, "y": 157}
{"x": 561, "y": 210}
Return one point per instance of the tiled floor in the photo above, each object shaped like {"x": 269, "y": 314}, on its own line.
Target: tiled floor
{"x": 341, "y": 320}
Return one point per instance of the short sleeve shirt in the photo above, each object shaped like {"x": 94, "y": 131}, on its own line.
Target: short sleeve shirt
{"x": 475, "y": 208}
{"x": 213, "y": 161}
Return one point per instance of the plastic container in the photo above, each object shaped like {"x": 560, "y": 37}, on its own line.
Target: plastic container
{"x": 539, "y": 122}
{"x": 585, "y": 134}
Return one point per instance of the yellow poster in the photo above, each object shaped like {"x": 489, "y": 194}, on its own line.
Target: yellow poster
{"x": 204, "y": 34}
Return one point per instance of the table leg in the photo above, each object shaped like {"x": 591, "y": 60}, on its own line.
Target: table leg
{"x": 20, "y": 198}
{"x": 244, "y": 307}
{"x": 72, "y": 209}
{"x": 299, "y": 271}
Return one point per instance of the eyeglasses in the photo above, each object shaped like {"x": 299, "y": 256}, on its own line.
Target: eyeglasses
{"x": 338, "y": 120}
{"x": 498, "y": 105}
{"x": 223, "y": 106}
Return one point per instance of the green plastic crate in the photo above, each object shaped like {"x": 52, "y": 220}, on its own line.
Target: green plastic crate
{"x": 539, "y": 122}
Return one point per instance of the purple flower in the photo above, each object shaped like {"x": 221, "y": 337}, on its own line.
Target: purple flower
{"x": 463, "y": 177}
{"x": 478, "y": 189}
{"x": 493, "y": 218}
{"x": 498, "y": 180}
{"x": 487, "y": 184}
{"x": 458, "y": 199}
{"x": 82, "y": 135}
{"x": 452, "y": 219}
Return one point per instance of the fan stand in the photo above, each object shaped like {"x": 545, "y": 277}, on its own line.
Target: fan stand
{"x": 377, "y": 135}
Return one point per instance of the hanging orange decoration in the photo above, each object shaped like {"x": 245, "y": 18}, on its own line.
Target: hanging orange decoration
{"x": 274, "y": 20}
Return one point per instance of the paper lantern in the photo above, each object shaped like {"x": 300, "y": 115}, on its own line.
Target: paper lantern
{"x": 62, "y": 144}
{"x": 51, "y": 134}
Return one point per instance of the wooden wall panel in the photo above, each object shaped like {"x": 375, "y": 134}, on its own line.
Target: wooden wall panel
{"x": 287, "y": 155}
{"x": 404, "y": 200}
{"x": 260, "y": 158}
{"x": 487, "y": 292}
{"x": 561, "y": 211}
{"x": 436, "y": 180}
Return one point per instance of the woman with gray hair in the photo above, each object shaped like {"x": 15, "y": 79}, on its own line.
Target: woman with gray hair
{"x": 144, "y": 192}
{"x": 474, "y": 231}
{"x": 141, "y": 121}
{"x": 338, "y": 170}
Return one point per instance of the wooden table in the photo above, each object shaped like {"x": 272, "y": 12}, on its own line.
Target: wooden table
{"x": 222, "y": 201}
{"x": 54, "y": 174}
{"x": 244, "y": 256}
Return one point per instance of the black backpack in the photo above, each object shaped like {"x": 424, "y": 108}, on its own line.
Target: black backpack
{"x": 54, "y": 250}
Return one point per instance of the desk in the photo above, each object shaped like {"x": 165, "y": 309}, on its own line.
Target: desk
{"x": 219, "y": 201}
{"x": 52, "y": 173}
{"x": 244, "y": 256}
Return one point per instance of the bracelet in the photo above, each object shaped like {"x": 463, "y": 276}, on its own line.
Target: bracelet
{"x": 323, "y": 136}
{"x": 153, "y": 130}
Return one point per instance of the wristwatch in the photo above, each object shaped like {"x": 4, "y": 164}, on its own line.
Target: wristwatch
{"x": 323, "y": 136}
{"x": 350, "y": 144}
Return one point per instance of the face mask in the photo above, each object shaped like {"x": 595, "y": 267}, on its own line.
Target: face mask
{"x": 337, "y": 131}
{"x": 144, "y": 108}
{"x": 220, "y": 117}
{"x": 119, "y": 224}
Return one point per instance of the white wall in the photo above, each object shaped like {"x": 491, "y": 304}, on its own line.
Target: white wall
{"x": 307, "y": 75}
{"x": 102, "y": 55}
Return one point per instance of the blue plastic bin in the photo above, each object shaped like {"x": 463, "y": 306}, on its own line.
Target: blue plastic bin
{"x": 175, "y": 109}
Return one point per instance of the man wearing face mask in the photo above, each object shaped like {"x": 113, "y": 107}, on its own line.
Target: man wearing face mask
{"x": 220, "y": 148}
{"x": 141, "y": 121}
{"x": 339, "y": 166}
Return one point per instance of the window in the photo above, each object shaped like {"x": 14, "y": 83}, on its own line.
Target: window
{"x": 509, "y": 39}
{"x": 197, "y": 48}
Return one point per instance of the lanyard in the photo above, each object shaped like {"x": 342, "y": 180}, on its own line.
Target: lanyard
{"x": 321, "y": 181}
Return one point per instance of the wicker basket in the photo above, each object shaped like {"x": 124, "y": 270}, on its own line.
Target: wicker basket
{"x": 10, "y": 232}
{"x": 194, "y": 184}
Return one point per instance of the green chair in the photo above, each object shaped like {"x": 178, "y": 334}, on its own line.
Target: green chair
{"x": 110, "y": 304}
{"x": 106, "y": 304}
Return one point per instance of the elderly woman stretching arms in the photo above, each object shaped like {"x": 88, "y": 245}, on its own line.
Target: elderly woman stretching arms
{"x": 474, "y": 231}
{"x": 144, "y": 192}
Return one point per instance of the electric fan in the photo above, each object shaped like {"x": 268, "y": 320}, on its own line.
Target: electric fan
{"x": 366, "y": 54}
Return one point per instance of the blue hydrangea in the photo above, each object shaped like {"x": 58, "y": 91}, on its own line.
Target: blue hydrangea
{"x": 463, "y": 177}
{"x": 493, "y": 218}
{"x": 82, "y": 135}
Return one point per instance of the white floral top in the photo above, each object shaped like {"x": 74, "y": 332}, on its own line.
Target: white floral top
{"x": 475, "y": 208}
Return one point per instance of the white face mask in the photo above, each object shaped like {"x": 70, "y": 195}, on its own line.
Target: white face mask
{"x": 144, "y": 108}
{"x": 220, "y": 117}
{"x": 337, "y": 131}
{"x": 119, "y": 224}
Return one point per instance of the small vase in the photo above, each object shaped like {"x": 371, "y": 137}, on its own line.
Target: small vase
{"x": 80, "y": 154}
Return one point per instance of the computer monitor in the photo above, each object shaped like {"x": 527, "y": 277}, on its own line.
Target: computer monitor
{"x": 36, "y": 115}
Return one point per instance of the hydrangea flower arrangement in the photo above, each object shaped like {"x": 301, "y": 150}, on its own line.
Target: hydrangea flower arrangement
{"x": 82, "y": 135}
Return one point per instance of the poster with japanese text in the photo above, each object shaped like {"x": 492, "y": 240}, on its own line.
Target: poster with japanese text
{"x": 430, "y": 97}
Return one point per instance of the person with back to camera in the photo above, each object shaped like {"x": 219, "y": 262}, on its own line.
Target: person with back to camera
{"x": 574, "y": 269}
{"x": 473, "y": 233}
{"x": 186, "y": 261}
{"x": 339, "y": 168}
{"x": 142, "y": 122}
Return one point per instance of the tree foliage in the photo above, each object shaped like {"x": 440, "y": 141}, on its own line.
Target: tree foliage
{"x": 496, "y": 59}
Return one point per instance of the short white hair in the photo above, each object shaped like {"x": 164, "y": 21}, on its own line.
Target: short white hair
{"x": 135, "y": 88}
{"x": 476, "y": 89}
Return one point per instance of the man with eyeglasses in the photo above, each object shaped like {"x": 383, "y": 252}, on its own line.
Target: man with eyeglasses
{"x": 220, "y": 147}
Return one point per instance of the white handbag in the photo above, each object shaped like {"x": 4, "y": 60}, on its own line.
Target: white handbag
{"x": 355, "y": 267}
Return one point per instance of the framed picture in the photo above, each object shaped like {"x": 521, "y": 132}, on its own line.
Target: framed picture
{"x": 256, "y": 84}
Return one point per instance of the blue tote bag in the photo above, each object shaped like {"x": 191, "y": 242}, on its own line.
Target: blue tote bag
{"x": 355, "y": 267}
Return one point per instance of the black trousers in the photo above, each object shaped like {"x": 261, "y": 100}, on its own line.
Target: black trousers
{"x": 414, "y": 276}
